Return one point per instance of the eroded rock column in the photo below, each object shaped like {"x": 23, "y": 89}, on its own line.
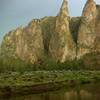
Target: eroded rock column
{"x": 62, "y": 46}
{"x": 86, "y": 34}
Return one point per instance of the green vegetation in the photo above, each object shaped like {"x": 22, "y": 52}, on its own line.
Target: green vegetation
{"x": 17, "y": 65}
{"x": 19, "y": 77}
{"x": 41, "y": 77}
{"x": 14, "y": 65}
{"x": 16, "y": 83}
{"x": 89, "y": 62}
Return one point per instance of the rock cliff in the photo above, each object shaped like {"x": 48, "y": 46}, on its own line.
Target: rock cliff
{"x": 60, "y": 37}
{"x": 62, "y": 46}
{"x": 87, "y": 34}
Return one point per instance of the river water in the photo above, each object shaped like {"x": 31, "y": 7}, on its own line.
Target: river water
{"x": 83, "y": 92}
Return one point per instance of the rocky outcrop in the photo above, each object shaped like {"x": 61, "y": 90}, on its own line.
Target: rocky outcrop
{"x": 60, "y": 38}
{"x": 48, "y": 27}
{"x": 8, "y": 45}
{"x": 26, "y": 43}
{"x": 86, "y": 34}
{"x": 62, "y": 46}
{"x": 97, "y": 31}
{"x": 30, "y": 43}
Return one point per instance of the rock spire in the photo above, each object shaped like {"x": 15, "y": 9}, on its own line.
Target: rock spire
{"x": 61, "y": 44}
{"x": 86, "y": 34}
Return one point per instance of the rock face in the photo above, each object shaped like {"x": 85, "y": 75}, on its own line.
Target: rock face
{"x": 86, "y": 34}
{"x": 30, "y": 45}
{"x": 61, "y": 38}
{"x": 97, "y": 29}
{"x": 27, "y": 43}
{"x": 62, "y": 46}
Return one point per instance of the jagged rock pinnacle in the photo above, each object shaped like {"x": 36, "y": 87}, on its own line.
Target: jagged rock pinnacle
{"x": 61, "y": 44}
{"x": 86, "y": 35}
{"x": 62, "y": 22}
{"x": 64, "y": 8}
{"x": 89, "y": 10}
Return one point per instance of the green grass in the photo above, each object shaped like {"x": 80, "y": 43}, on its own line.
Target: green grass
{"x": 16, "y": 83}
{"x": 41, "y": 77}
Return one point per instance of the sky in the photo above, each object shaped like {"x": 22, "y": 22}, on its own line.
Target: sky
{"x": 15, "y": 13}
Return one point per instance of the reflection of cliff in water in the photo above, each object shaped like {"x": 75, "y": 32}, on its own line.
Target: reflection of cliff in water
{"x": 86, "y": 92}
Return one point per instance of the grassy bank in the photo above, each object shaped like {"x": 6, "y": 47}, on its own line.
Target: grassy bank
{"x": 38, "y": 81}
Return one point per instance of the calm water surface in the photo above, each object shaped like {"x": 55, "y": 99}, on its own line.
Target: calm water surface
{"x": 85, "y": 92}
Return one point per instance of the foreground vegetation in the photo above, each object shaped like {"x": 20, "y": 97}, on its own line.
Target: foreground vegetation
{"x": 39, "y": 81}
{"x": 88, "y": 62}
{"x": 19, "y": 77}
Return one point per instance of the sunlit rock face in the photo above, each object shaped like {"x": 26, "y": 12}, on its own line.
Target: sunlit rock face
{"x": 62, "y": 46}
{"x": 31, "y": 46}
{"x": 26, "y": 43}
{"x": 8, "y": 45}
{"x": 87, "y": 34}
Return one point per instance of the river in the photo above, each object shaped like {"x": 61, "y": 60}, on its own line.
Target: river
{"x": 83, "y": 92}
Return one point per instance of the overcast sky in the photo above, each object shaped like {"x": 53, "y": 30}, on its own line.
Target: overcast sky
{"x": 14, "y": 13}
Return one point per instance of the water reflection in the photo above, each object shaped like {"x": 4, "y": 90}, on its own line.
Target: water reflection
{"x": 86, "y": 92}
